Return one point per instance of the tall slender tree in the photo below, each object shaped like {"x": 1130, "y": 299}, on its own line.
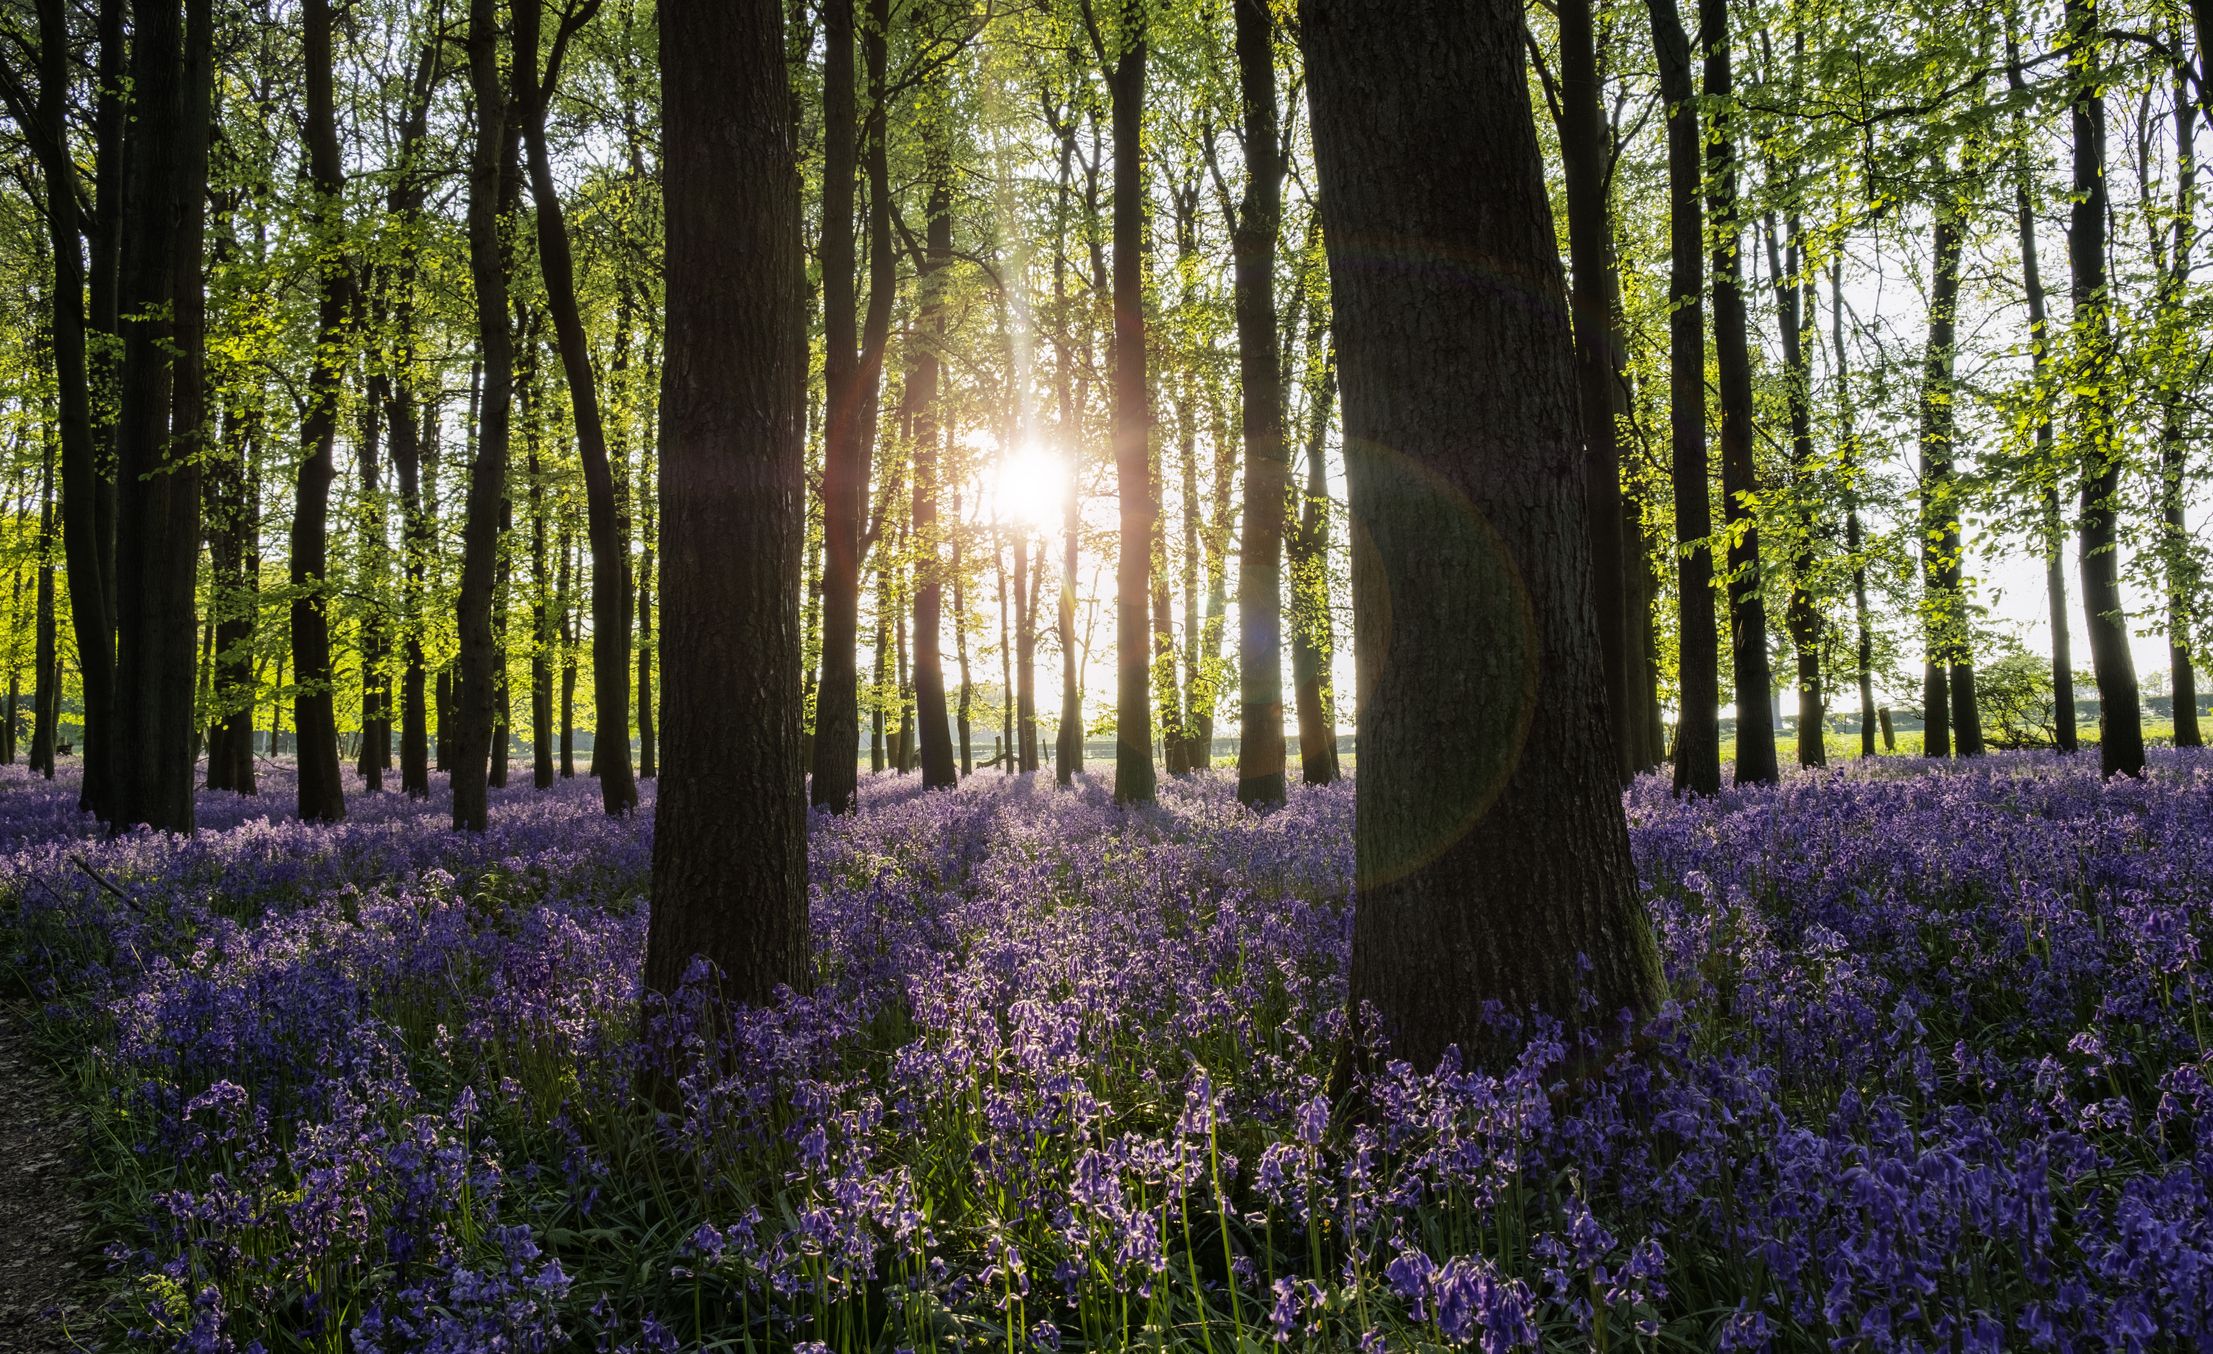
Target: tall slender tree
{"x": 1698, "y": 661}
{"x": 604, "y": 525}
{"x": 2120, "y": 720}
{"x": 315, "y": 710}
{"x": 1267, "y": 467}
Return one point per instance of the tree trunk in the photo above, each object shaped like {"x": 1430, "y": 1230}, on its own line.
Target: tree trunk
{"x": 2179, "y": 565}
{"x": 2120, "y": 721}
{"x": 541, "y": 593}
{"x": 1492, "y": 856}
{"x": 46, "y": 694}
{"x": 1313, "y": 641}
{"x": 1698, "y": 664}
{"x": 845, "y": 457}
{"x": 1133, "y": 423}
{"x": 1795, "y": 301}
{"x": 566, "y": 595}
{"x": 1585, "y": 160}
{"x": 374, "y": 753}
{"x": 158, "y": 476}
{"x": 477, "y": 683}
{"x": 1755, "y": 761}
{"x": 89, "y": 573}
{"x": 604, "y": 526}
{"x": 936, "y": 739}
{"x": 730, "y": 829}
{"x": 1260, "y": 752}
{"x": 1950, "y": 678}
{"x": 315, "y": 718}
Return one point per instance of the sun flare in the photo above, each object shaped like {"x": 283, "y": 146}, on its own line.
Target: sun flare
{"x": 1029, "y": 487}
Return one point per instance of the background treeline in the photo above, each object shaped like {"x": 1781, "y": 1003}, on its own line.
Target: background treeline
{"x": 328, "y": 326}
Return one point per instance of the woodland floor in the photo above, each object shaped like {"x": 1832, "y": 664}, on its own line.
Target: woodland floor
{"x": 49, "y": 1266}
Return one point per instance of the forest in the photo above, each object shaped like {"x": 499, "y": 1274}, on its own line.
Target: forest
{"x": 852, "y": 676}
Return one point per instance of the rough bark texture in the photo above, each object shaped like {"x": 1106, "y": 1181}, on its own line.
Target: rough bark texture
{"x": 1260, "y": 413}
{"x": 1492, "y": 857}
{"x": 2120, "y": 721}
{"x": 729, "y": 843}
{"x": 158, "y": 477}
{"x": 315, "y": 717}
{"x": 1698, "y": 664}
{"x": 477, "y": 688}
{"x": 1133, "y": 423}
{"x": 1585, "y": 164}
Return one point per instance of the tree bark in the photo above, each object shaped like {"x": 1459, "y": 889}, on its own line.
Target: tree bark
{"x": 1492, "y": 857}
{"x": 1599, "y": 355}
{"x": 935, "y": 738}
{"x": 1795, "y": 301}
{"x": 1260, "y": 753}
{"x": 1755, "y": 762}
{"x": 315, "y": 717}
{"x": 845, "y": 457}
{"x": 2120, "y": 721}
{"x": 730, "y": 829}
{"x": 1949, "y": 714}
{"x": 476, "y": 683}
{"x": 90, "y": 571}
{"x": 2179, "y": 567}
{"x": 157, "y": 473}
{"x": 1698, "y": 664}
{"x": 604, "y": 527}
{"x": 1133, "y": 424}
{"x": 1313, "y": 642}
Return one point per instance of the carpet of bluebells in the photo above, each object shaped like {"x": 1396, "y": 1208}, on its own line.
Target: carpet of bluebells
{"x": 1933, "y": 1076}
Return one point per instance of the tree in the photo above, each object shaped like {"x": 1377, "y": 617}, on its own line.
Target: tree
{"x": 1733, "y": 368}
{"x": 315, "y": 715}
{"x": 1698, "y": 662}
{"x": 603, "y": 515}
{"x": 478, "y": 688}
{"x": 1133, "y": 418}
{"x": 1492, "y": 857}
{"x": 729, "y": 843}
{"x": 2120, "y": 720}
{"x": 1267, "y": 467}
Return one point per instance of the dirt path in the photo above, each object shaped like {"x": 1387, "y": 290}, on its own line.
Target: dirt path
{"x": 49, "y": 1271}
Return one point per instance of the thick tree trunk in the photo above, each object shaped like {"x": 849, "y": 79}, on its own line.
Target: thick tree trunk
{"x": 1133, "y": 424}
{"x": 2120, "y": 721}
{"x": 477, "y": 685}
{"x": 1585, "y": 157}
{"x": 315, "y": 716}
{"x": 1260, "y": 752}
{"x": 1754, "y": 682}
{"x": 158, "y": 475}
{"x": 729, "y": 842}
{"x": 1698, "y": 664}
{"x": 1492, "y": 857}
{"x": 607, "y": 532}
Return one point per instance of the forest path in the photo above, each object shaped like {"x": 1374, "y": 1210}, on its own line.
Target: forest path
{"x": 49, "y": 1269}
